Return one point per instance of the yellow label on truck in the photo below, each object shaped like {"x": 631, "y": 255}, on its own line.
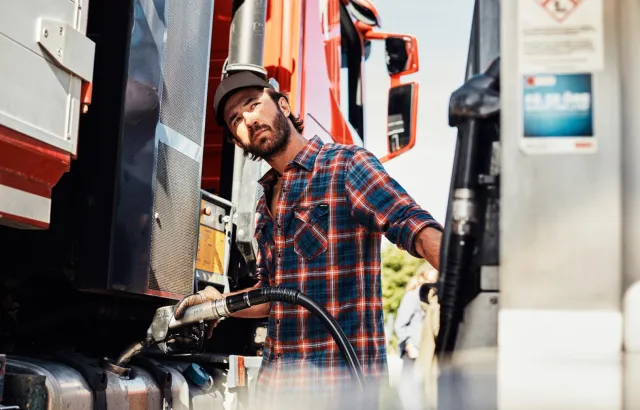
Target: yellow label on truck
{"x": 210, "y": 256}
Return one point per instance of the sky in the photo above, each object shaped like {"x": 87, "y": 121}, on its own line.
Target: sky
{"x": 442, "y": 29}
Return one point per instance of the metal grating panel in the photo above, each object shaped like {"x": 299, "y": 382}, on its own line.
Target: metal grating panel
{"x": 176, "y": 205}
{"x": 186, "y": 67}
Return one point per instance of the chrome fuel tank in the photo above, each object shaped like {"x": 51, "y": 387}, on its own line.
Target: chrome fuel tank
{"x": 66, "y": 389}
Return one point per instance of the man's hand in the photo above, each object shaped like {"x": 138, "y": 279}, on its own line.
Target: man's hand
{"x": 207, "y": 294}
{"x": 428, "y": 246}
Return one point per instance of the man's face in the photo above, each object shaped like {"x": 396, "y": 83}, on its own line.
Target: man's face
{"x": 259, "y": 125}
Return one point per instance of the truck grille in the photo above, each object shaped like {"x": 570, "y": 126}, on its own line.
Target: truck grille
{"x": 173, "y": 237}
{"x": 186, "y": 67}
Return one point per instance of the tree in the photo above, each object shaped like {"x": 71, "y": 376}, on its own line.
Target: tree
{"x": 398, "y": 267}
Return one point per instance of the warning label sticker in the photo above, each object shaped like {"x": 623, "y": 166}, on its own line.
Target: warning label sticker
{"x": 560, "y": 9}
{"x": 560, "y": 36}
{"x": 211, "y": 245}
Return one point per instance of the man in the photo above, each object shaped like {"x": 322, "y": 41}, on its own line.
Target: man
{"x": 319, "y": 227}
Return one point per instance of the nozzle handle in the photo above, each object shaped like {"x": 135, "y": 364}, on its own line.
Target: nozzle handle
{"x": 207, "y": 311}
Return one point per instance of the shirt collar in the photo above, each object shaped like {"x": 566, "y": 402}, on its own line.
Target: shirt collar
{"x": 306, "y": 158}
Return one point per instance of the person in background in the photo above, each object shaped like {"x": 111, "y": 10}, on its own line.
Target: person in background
{"x": 410, "y": 316}
{"x": 409, "y": 329}
{"x": 426, "y": 365}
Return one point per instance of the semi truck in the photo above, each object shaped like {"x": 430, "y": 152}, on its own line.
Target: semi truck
{"x": 119, "y": 194}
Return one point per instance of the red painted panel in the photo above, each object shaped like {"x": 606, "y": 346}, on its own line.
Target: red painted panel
{"x": 31, "y": 166}
{"x": 15, "y": 221}
{"x": 212, "y": 153}
{"x": 31, "y": 160}
{"x": 163, "y": 294}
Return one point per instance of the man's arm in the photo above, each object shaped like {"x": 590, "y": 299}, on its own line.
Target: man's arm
{"x": 211, "y": 293}
{"x": 427, "y": 244}
{"x": 253, "y": 312}
{"x": 378, "y": 202}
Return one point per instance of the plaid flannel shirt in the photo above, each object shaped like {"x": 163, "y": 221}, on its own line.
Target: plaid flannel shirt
{"x": 335, "y": 203}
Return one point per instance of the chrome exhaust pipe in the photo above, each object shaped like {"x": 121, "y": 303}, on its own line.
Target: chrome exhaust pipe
{"x": 246, "y": 39}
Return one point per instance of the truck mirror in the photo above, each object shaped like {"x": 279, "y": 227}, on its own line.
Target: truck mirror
{"x": 401, "y": 119}
{"x": 401, "y": 54}
{"x": 402, "y": 114}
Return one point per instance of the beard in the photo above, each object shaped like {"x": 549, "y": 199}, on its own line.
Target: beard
{"x": 268, "y": 146}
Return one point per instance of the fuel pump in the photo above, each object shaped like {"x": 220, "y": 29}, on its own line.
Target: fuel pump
{"x": 468, "y": 285}
{"x": 474, "y": 110}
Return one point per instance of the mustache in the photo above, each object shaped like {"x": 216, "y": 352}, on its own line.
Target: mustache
{"x": 255, "y": 129}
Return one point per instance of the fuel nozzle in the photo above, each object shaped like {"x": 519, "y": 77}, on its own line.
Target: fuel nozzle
{"x": 164, "y": 320}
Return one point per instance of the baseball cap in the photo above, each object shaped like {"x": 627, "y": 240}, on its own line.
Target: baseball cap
{"x": 231, "y": 84}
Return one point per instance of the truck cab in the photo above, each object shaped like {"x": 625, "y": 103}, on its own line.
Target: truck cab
{"x": 119, "y": 194}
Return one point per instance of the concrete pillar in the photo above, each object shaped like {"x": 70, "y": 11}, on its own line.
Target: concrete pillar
{"x": 629, "y": 15}
{"x": 561, "y": 217}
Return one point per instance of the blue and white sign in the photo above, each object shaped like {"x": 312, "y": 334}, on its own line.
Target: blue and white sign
{"x": 558, "y": 113}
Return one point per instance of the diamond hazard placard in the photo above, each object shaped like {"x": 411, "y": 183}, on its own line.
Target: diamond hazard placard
{"x": 560, "y": 36}
{"x": 560, "y": 9}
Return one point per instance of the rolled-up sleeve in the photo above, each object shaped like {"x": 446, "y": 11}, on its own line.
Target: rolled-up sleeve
{"x": 378, "y": 202}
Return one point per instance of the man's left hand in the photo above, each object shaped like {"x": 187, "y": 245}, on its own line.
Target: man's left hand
{"x": 428, "y": 243}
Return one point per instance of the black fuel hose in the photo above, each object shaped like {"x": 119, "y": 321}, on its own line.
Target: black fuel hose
{"x": 241, "y": 301}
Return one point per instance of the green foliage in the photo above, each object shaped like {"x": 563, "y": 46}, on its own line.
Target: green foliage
{"x": 397, "y": 268}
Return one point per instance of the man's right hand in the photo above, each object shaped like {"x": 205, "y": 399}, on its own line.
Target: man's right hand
{"x": 207, "y": 294}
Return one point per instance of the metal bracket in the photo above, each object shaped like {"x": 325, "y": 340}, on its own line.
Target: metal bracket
{"x": 72, "y": 50}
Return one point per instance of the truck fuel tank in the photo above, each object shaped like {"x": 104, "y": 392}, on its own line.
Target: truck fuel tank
{"x": 67, "y": 388}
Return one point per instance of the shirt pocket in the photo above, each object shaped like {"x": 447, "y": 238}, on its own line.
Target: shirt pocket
{"x": 310, "y": 235}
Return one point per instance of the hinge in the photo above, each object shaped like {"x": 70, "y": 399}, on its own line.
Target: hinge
{"x": 72, "y": 50}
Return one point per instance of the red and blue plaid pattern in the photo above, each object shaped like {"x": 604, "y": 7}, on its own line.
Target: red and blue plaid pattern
{"x": 335, "y": 203}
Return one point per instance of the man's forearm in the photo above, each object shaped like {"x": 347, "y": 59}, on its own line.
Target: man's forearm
{"x": 428, "y": 243}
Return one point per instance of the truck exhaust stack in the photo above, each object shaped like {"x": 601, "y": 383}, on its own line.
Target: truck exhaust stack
{"x": 246, "y": 41}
